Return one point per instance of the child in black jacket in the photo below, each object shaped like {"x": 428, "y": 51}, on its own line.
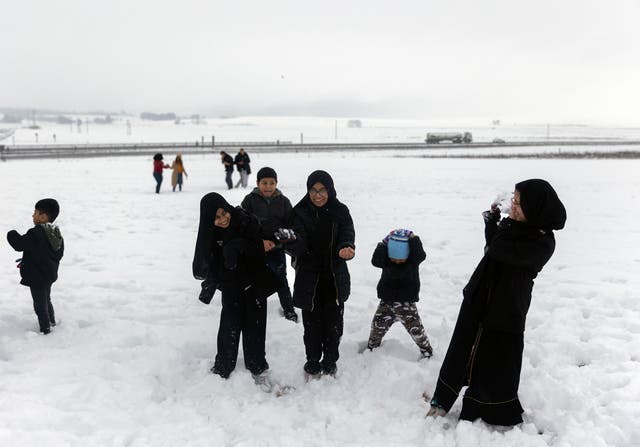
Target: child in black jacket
{"x": 325, "y": 242}
{"x": 229, "y": 256}
{"x": 399, "y": 255}
{"x": 43, "y": 248}
{"x": 273, "y": 210}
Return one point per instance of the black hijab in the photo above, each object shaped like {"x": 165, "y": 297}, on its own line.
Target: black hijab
{"x": 540, "y": 204}
{"x": 332, "y": 206}
{"x": 324, "y": 178}
{"x": 203, "y": 256}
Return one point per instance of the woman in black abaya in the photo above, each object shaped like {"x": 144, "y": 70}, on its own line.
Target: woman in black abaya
{"x": 485, "y": 352}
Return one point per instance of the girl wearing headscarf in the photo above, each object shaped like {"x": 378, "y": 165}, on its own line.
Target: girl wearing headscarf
{"x": 485, "y": 351}
{"x": 177, "y": 173}
{"x": 325, "y": 241}
{"x": 229, "y": 256}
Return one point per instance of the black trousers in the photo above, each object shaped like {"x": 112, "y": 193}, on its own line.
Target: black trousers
{"x": 277, "y": 262}
{"x": 41, "y": 296}
{"x": 323, "y": 327}
{"x": 227, "y": 179}
{"x": 242, "y": 314}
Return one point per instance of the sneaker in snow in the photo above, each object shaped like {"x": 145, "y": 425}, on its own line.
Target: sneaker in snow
{"x": 267, "y": 384}
{"x": 436, "y": 412}
{"x": 291, "y": 315}
{"x": 427, "y": 353}
{"x": 365, "y": 346}
{"x": 263, "y": 380}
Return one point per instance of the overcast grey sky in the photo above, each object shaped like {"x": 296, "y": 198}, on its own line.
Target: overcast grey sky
{"x": 544, "y": 60}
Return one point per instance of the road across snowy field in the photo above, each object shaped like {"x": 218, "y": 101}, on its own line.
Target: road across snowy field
{"x": 531, "y": 149}
{"x": 128, "y": 363}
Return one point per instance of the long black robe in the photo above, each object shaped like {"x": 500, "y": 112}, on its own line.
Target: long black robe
{"x": 486, "y": 347}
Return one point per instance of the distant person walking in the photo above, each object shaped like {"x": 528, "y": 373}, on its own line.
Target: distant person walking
{"x": 178, "y": 171}
{"x": 158, "y": 166}
{"x": 243, "y": 161}
{"x": 227, "y": 161}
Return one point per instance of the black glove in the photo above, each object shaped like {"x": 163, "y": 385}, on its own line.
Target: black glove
{"x": 492, "y": 215}
{"x": 284, "y": 235}
{"x": 208, "y": 289}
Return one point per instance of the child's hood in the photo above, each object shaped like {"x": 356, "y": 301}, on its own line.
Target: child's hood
{"x": 53, "y": 235}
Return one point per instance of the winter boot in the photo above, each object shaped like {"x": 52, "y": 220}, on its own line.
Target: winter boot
{"x": 216, "y": 370}
{"x": 329, "y": 369}
{"x": 312, "y": 370}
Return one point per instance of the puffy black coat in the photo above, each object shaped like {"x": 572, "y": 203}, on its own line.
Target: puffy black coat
{"x": 399, "y": 282}
{"x": 312, "y": 263}
{"x": 43, "y": 248}
{"x": 242, "y": 162}
{"x": 272, "y": 213}
{"x": 499, "y": 290}
{"x": 228, "y": 162}
{"x": 232, "y": 259}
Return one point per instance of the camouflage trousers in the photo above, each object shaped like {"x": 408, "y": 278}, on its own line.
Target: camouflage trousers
{"x": 407, "y": 313}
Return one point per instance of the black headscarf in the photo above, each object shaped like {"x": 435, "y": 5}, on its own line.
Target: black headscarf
{"x": 332, "y": 205}
{"x": 203, "y": 256}
{"x": 540, "y": 204}
{"x": 324, "y": 178}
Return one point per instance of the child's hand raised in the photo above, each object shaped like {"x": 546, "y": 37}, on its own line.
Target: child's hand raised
{"x": 268, "y": 245}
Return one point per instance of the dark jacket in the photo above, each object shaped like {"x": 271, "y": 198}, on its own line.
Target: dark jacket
{"x": 272, "y": 213}
{"x": 43, "y": 248}
{"x": 321, "y": 234}
{"x": 232, "y": 259}
{"x": 399, "y": 282}
{"x": 228, "y": 162}
{"x": 499, "y": 289}
{"x": 242, "y": 162}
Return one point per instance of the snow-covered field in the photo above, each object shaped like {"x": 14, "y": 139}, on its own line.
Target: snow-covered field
{"x": 297, "y": 129}
{"x": 128, "y": 364}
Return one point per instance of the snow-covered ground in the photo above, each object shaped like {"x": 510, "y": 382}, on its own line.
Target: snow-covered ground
{"x": 297, "y": 129}
{"x": 128, "y": 364}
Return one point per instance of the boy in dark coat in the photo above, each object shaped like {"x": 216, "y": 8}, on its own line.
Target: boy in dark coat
{"x": 43, "y": 249}
{"x": 325, "y": 241}
{"x": 273, "y": 210}
{"x": 399, "y": 255}
{"x": 486, "y": 347}
{"x": 227, "y": 161}
{"x": 229, "y": 256}
{"x": 242, "y": 162}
